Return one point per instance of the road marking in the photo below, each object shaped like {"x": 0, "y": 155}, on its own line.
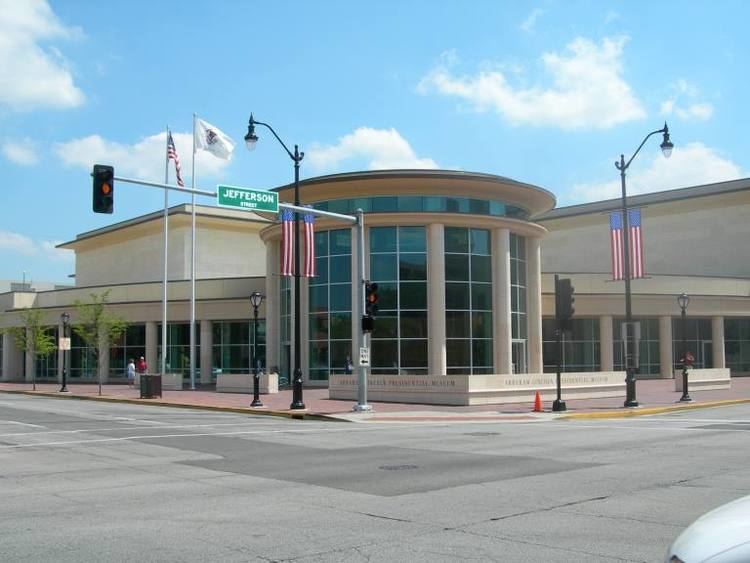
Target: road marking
{"x": 21, "y": 423}
{"x": 120, "y": 428}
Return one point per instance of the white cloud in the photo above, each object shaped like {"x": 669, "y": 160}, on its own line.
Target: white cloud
{"x": 693, "y": 110}
{"x": 381, "y": 148}
{"x": 21, "y": 244}
{"x": 588, "y": 90}
{"x": 31, "y": 76}
{"x": 529, "y": 23}
{"x": 689, "y": 165}
{"x": 21, "y": 152}
{"x": 143, "y": 160}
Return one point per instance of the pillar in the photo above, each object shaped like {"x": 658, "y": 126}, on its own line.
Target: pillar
{"x": 12, "y": 359}
{"x": 606, "y": 343}
{"x": 501, "y": 301}
{"x": 206, "y": 348}
{"x": 152, "y": 346}
{"x": 436, "y": 351}
{"x": 666, "y": 361}
{"x": 717, "y": 342}
{"x": 534, "y": 303}
{"x": 273, "y": 309}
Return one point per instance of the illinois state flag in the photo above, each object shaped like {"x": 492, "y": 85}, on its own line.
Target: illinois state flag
{"x": 212, "y": 139}
{"x": 635, "y": 244}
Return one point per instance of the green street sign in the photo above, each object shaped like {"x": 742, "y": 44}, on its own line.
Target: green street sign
{"x": 250, "y": 200}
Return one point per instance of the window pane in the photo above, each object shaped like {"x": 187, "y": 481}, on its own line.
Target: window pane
{"x": 481, "y": 296}
{"x": 341, "y": 268}
{"x": 481, "y": 325}
{"x": 341, "y": 241}
{"x": 340, "y": 352}
{"x": 387, "y": 296}
{"x": 321, "y": 269}
{"x": 413, "y": 324}
{"x": 413, "y": 353}
{"x": 458, "y": 353}
{"x": 319, "y": 354}
{"x": 457, "y": 324}
{"x": 482, "y": 352}
{"x": 456, "y": 240}
{"x": 413, "y": 266}
{"x": 318, "y": 327}
{"x": 480, "y": 241}
{"x": 386, "y": 326}
{"x": 382, "y": 239}
{"x": 413, "y": 295}
{"x": 457, "y": 267}
{"x": 481, "y": 268}
{"x": 384, "y": 353}
{"x": 412, "y": 239}
{"x": 341, "y": 325}
{"x": 319, "y": 298}
{"x": 384, "y": 204}
{"x": 383, "y": 267}
{"x": 456, "y": 295}
{"x": 341, "y": 297}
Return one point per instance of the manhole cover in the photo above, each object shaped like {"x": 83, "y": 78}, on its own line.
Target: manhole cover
{"x": 481, "y": 433}
{"x": 398, "y": 467}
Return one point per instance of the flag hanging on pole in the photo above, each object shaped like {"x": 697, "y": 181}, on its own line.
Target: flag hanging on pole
{"x": 287, "y": 243}
{"x": 309, "y": 270}
{"x": 635, "y": 244}
{"x": 212, "y": 139}
{"x": 172, "y": 155}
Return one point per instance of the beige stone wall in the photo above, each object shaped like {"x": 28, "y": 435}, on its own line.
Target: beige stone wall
{"x": 698, "y": 237}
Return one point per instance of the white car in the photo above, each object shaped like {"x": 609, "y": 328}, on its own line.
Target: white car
{"x": 719, "y": 536}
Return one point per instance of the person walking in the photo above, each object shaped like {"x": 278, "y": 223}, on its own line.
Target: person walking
{"x": 142, "y": 366}
{"x": 131, "y": 372}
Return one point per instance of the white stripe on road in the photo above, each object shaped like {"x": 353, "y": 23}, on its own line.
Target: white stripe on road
{"x": 21, "y": 423}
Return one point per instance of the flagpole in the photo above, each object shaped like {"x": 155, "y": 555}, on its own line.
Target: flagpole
{"x": 163, "y": 367}
{"x": 192, "y": 270}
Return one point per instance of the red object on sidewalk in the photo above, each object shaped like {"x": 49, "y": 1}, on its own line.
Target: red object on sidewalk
{"x": 538, "y": 403}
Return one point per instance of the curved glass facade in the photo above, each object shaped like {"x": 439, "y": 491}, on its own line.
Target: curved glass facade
{"x": 423, "y": 204}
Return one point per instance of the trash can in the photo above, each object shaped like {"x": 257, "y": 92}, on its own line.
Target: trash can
{"x": 150, "y": 386}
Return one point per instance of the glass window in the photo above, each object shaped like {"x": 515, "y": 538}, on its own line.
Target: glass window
{"x": 468, "y": 315}
{"x": 581, "y": 348}
{"x": 649, "y": 361}
{"x": 737, "y": 345}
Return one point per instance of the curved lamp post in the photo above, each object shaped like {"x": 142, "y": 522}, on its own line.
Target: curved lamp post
{"x": 256, "y": 298}
{"x": 250, "y": 140}
{"x": 683, "y": 301}
{"x": 622, "y": 166}
{"x": 65, "y": 318}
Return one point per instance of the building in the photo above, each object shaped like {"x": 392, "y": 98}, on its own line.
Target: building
{"x": 465, "y": 265}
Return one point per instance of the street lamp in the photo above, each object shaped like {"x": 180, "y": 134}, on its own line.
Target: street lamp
{"x": 65, "y": 318}
{"x": 683, "y": 301}
{"x": 250, "y": 140}
{"x": 256, "y": 298}
{"x": 622, "y": 166}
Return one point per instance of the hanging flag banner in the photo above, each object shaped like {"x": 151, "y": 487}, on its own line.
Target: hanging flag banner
{"x": 308, "y": 270}
{"x": 635, "y": 244}
{"x": 287, "y": 243}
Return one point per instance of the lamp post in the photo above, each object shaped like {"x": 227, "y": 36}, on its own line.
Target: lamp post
{"x": 256, "y": 298}
{"x": 683, "y": 301}
{"x": 65, "y": 318}
{"x": 250, "y": 140}
{"x": 622, "y": 166}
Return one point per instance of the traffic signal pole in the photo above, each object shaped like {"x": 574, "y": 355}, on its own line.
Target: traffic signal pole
{"x": 362, "y": 405}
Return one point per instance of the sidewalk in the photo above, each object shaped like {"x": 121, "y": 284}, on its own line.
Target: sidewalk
{"x": 654, "y": 396}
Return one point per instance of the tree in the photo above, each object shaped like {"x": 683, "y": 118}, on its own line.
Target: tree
{"x": 97, "y": 326}
{"x": 33, "y": 338}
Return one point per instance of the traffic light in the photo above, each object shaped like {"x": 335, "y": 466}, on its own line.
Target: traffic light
{"x": 104, "y": 188}
{"x": 371, "y": 299}
{"x": 564, "y": 302}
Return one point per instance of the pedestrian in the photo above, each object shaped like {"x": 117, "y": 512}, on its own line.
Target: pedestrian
{"x": 142, "y": 367}
{"x": 349, "y": 366}
{"x": 131, "y": 372}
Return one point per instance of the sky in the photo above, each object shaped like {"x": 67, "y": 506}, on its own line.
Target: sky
{"x": 548, "y": 93}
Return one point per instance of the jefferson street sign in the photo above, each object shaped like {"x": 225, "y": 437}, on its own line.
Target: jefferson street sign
{"x": 243, "y": 198}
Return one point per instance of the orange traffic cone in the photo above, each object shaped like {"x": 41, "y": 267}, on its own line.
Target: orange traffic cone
{"x": 538, "y": 403}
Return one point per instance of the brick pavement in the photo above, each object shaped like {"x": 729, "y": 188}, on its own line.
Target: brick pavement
{"x": 651, "y": 394}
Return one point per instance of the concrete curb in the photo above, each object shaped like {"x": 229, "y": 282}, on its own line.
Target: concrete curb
{"x": 296, "y": 415}
{"x": 638, "y": 411}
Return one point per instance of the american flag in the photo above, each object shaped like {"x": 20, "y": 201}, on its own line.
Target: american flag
{"x": 287, "y": 243}
{"x": 635, "y": 244}
{"x": 309, "y": 269}
{"x": 172, "y": 155}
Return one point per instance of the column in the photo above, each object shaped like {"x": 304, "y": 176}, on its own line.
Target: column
{"x": 272, "y": 308}
{"x": 207, "y": 345}
{"x": 605, "y": 343}
{"x": 436, "y": 353}
{"x": 534, "y": 303}
{"x": 501, "y": 301}
{"x": 29, "y": 360}
{"x": 152, "y": 346}
{"x": 12, "y": 359}
{"x": 717, "y": 342}
{"x": 666, "y": 360}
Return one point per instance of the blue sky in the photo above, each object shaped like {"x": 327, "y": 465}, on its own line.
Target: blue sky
{"x": 548, "y": 93}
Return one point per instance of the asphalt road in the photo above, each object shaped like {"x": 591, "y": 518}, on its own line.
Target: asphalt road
{"x": 89, "y": 481}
